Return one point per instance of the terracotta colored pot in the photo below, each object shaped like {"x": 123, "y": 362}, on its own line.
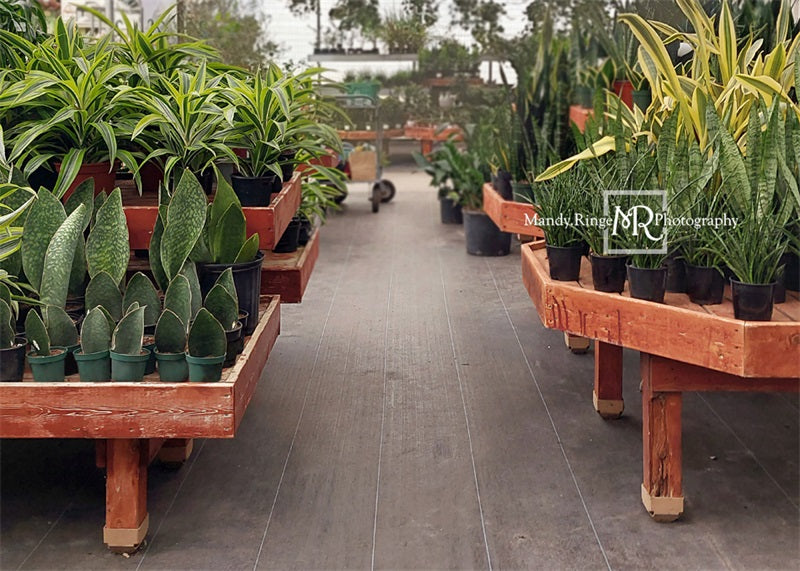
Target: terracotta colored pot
{"x": 624, "y": 89}
{"x": 103, "y": 179}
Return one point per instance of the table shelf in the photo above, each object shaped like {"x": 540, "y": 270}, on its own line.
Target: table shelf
{"x": 510, "y": 216}
{"x": 288, "y": 275}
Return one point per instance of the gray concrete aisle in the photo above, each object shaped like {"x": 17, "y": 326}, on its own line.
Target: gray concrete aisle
{"x": 415, "y": 414}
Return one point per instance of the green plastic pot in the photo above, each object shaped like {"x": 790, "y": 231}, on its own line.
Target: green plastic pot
{"x": 128, "y": 368}
{"x": 204, "y": 369}
{"x": 93, "y": 367}
{"x": 172, "y": 367}
{"x": 49, "y": 368}
{"x": 150, "y": 367}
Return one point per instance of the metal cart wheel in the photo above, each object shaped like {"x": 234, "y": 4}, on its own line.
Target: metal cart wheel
{"x": 376, "y": 197}
{"x": 387, "y": 190}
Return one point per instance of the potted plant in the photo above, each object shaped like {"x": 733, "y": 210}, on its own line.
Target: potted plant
{"x": 440, "y": 170}
{"x": 207, "y": 345}
{"x": 608, "y": 270}
{"x": 94, "y": 361}
{"x": 142, "y": 291}
{"x": 225, "y": 308}
{"x": 12, "y": 347}
{"x": 128, "y": 358}
{"x": 558, "y": 201}
{"x": 170, "y": 345}
{"x": 46, "y": 362}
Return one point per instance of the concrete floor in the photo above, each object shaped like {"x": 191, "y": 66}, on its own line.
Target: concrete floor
{"x": 415, "y": 414}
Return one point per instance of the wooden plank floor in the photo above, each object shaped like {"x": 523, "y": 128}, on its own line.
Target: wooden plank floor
{"x": 415, "y": 414}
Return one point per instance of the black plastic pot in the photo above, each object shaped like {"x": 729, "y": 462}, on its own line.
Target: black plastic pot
{"x": 206, "y": 179}
{"x": 246, "y": 277}
{"x": 648, "y": 284}
{"x": 450, "y": 211}
{"x": 235, "y": 339}
{"x": 792, "y": 272}
{"x": 305, "y": 231}
{"x": 502, "y": 184}
{"x": 608, "y": 273}
{"x": 779, "y": 294}
{"x": 287, "y": 165}
{"x": 704, "y": 285}
{"x": 12, "y": 361}
{"x": 70, "y": 364}
{"x": 290, "y": 238}
{"x": 752, "y": 302}
{"x": 565, "y": 262}
{"x": 676, "y": 274}
{"x": 255, "y": 191}
{"x": 484, "y": 238}
{"x": 522, "y": 192}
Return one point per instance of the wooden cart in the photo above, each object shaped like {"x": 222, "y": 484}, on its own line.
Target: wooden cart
{"x": 133, "y": 422}
{"x": 684, "y": 347}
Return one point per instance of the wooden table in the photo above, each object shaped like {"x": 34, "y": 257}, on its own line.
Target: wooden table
{"x": 508, "y": 215}
{"x": 288, "y": 274}
{"x": 134, "y": 422}
{"x": 428, "y": 135}
{"x": 684, "y": 347}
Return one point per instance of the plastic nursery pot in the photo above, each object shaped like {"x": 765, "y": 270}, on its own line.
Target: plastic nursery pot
{"x": 172, "y": 367}
{"x": 502, "y": 184}
{"x": 12, "y": 361}
{"x": 287, "y": 165}
{"x": 206, "y": 180}
{"x": 152, "y": 175}
{"x": 704, "y": 285}
{"x": 450, "y": 211}
{"x": 676, "y": 274}
{"x": 150, "y": 366}
{"x": 255, "y": 191}
{"x": 752, "y": 302}
{"x": 305, "y": 231}
{"x": 608, "y": 273}
{"x": 103, "y": 174}
{"x": 483, "y": 236}
{"x": 48, "y": 368}
{"x": 205, "y": 369}
{"x": 70, "y": 365}
{"x": 791, "y": 274}
{"x": 290, "y": 239}
{"x": 93, "y": 367}
{"x": 649, "y": 284}
{"x": 246, "y": 278}
{"x": 244, "y": 318}
{"x": 128, "y": 368}
{"x": 565, "y": 262}
{"x": 522, "y": 192}
{"x": 235, "y": 338}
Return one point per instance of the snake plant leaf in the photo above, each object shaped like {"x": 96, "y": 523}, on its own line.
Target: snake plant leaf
{"x": 103, "y": 291}
{"x": 189, "y": 271}
{"x": 84, "y": 194}
{"x": 228, "y": 236}
{"x": 95, "y": 332}
{"x": 224, "y": 198}
{"x": 128, "y": 334}
{"x": 7, "y": 332}
{"x": 5, "y": 293}
{"x": 206, "y": 336}
{"x": 222, "y": 306}
{"x": 60, "y": 328}
{"x": 170, "y": 333}
{"x": 111, "y": 322}
{"x": 142, "y": 290}
{"x": 248, "y": 251}
{"x": 225, "y": 279}
{"x": 36, "y": 333}
{"x": 44, "y": 218}
{"x": 107, "y": 249}
{"x": 186, "y": 216}
{"x": 99, "y": 200}
{"x": 178, "y": 298}
{"x": 155, "y": 249}
{"x": 58, "y": 259}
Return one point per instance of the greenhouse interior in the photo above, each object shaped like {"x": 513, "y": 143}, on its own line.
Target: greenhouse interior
{"x": 569, "y": 213}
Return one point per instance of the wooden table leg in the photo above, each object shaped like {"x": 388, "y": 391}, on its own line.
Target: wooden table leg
{"x": 176, "y": 451}
{"x": 662, "y": 488}
{"x": 575, "y": 343}
{"x": 607, "y": 393}
{"x": 426, "y": 147}
{"x": 126, "y": 494}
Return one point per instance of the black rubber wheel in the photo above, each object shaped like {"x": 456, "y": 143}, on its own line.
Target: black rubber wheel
{"x": 376, "y": 198}
{"x": 338, "y": 199}
{"x": 387, "y": 190}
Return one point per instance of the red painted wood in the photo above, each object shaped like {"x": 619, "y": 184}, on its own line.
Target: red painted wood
{"x": 126, "y": 482}
{"x": 607, "y": 371}
{"x": 287, "y": 275}
{"x": 510, "y": 216}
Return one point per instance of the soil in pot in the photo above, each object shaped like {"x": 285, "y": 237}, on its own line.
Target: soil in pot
{"x": 205, "y": 369}
{"x": 450, "y": 211}
{"x": 12, "y": 361}
{"x": 255, "y": 191}
{"x": 502, "y": 184}
{"x": 48, "y": 368}
{"x": 93, "y": 367}
{"x": 128, "y": 368}
{"x": 608, "y": 273}
{"x": 290, "y": 239}
{"x": 704, "y": 285}
{"x": 484, "y": 238}
{"x": 565, "y": 262}
{"x": 246, "y": 278}
{"x": 647, "y": 283}
{"x": 235, "y": 338}
{"x": 676, "y": 274}
{"x": 752, "y": 302}
{"x": 172, "y": 367}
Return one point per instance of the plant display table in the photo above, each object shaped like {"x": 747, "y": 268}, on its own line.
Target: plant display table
{"x": 370, "y": 135}
{"x": 510, "y": 216}
{"x": 428, "y": 135}
{"x": 269, "y": 221}
{"x": 684, "y": 347}
{"x": 133, "y": 422}
{"x": 287, "y": 275}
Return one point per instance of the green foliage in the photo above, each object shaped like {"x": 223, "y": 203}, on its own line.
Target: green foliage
{"x": 83, "y": 195}
{"x": 225, "y": 279}
{"x": 178, "y": 298}
{"x": 557, "y": 201}
{"x": 449, "y": 58}
{"x": 222, "y": 306}
{"x": 226, "y": 229}
{"x": 403, "y": 33}
{"x": 45, "y": 217}
{"x": 95, "y": 332}
{"x": 103, "y": 291}
{"x": 170, "y": 333}
{"x": 189, "y": 271}
{"x": 7, "y": 332}
{"x": 58, "y": 259}
{"x": 127, "y": 336}
{"x": 206, "y": 336}
{"x": 186, "y": 215}
{"x": 107, "y": 248}
{"x": 461, "y": 172}
{"x": 60, "y": 328}
{"x": 140, "y": 289}
{"x": 154, "y": 249}
{"x": 36, "y": 333}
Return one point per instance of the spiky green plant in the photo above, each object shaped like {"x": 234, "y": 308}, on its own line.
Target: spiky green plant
{"x": 95, "y": 332}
